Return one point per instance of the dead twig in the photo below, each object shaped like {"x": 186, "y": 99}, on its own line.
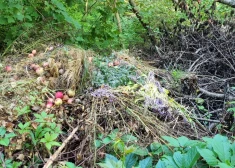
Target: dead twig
{"x": 216, "y": 95}
{"x": 55, "y": 155}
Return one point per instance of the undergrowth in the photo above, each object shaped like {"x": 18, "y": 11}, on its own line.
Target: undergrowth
{"x": 176, "y": 153}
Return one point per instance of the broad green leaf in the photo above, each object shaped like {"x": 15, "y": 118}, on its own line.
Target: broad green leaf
{"x": 129, "y": 149}
{"x": 179, "y": 159}
{"x": 70, "y": 165}
{"x": 172, "y": 141}
{"x": 222, "y": 147}
{"x": 209, "y": 156}
{"x": 4, "y": 141}
{"x": 156, "y": 148}
{"x": 3, "y": 21}
{"x": 53, "y": 143}
{"x": 10, "y": 19}
{"x": 2, "y": 131}
{"x": 129, "y": 138}
{"x": 169, "y": 162}
{"x": 146, "y": 163}
{"x": 48, "y": 146}
{"x": 110, "y": 157}
{"x": 223, "y": 165}
{"x": 10, "y": 135}
{"x": 232, "y": 160}
{"x": 191, "y": 157}
{"x": 16, "y": 164}
{"x": 130, "y": 160}
{"x": 183, "y": 140}
{"x": 97, "y": 143}
{"x": 160, "y": 164}
{"x": 141, "y": 151}
{"x": 53, "y": 136}
{"x": 107, "y": 140}
{"x": 19, "y": 16}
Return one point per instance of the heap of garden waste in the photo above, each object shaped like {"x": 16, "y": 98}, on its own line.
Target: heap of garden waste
{"x": 46, "y": 94}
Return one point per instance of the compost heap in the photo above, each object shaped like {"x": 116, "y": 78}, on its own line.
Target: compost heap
{"x": 143, "y": 109}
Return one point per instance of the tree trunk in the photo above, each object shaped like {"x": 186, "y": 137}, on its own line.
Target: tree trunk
{"x": 118, "y": 18}
{"x": 146, "y": 26}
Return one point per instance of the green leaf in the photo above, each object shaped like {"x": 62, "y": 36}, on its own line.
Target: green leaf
{"x": 53, "y": 136}
{"x": 129, "y": 138}
{"x": 223, "y": 165}
{"x": 10, "y": 135}
{"x": 16, "y": 164}
{"x": 209, "y": 156}
{"x": 129, "y": 149}
{"x": 19, "y": 16}
{"x": 111, "y": 157}
{"x": 169, "y": 162}
{"x": 48, "y": 146}
{"x": 172, "y": 141}
{"x": 53, "y": 143}
{"x": 191, "y": 157}
{"x": 59, "y": 5}
{"x": 97, "y": 143}
{"x": 107, "y": 140}
{"x": 156, "y": 148}
{"x": 179, "y": 159}
{"x": 160, "y": 164}
{"x": 4, "y": 141}
{"x": 10, "y": 19}
{"x": 183, "y": 141}
{"x": 3, "y": 21}
{"x": 130, "y": 160}
{"x": 231, "y": 109}
{"x": 70, "y": 165}
{"x": 146, "y": 163}
{"x": 141, "y": 151}
{"x": 222, "y": 148}
{"x": 2, "y": 131}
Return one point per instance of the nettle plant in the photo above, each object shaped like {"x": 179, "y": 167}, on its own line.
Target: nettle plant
{"x": 177, "y": 153}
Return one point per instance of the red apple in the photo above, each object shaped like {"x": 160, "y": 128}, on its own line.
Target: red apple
{"x": 30, "y": 55}
{"x": 50, "y": 100}
{"x": 70, "y": 101}
{"x": 8, "y": 68}
{"x": 45, "y": 64}
{"x": 59, "y": 95}
{"x": 32, "y": 66}
{"x": 39, "y": 71}
{"x": 49, "y": 105}
{"x": 36, "y": 67}
{"x": 116, "y": 63}
{"x": 65, "y": 97}
{"x": 34, "y": 52}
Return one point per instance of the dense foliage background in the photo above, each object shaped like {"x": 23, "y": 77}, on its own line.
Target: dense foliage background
{"x": 100, "y": 24}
